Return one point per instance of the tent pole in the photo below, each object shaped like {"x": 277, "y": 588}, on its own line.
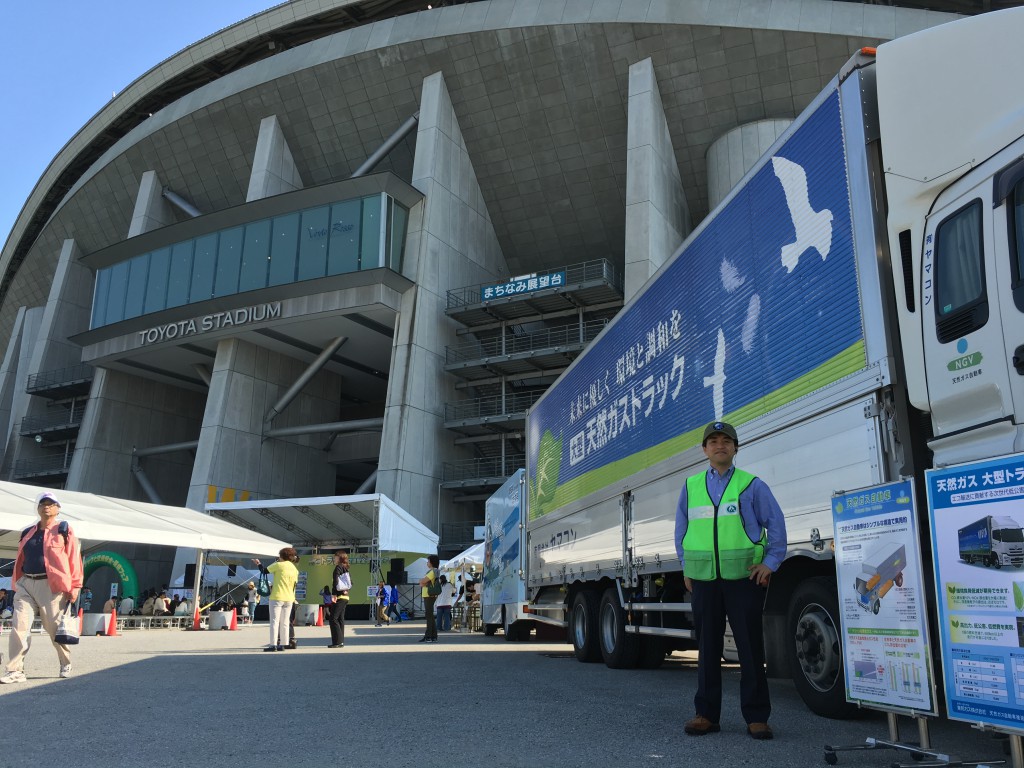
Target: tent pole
{"x": 197, "y": 580}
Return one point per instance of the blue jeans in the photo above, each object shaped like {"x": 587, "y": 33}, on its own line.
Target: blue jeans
{"x": 444, "y": 618}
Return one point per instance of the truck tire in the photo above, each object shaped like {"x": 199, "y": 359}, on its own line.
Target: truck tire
{"x": 814, "y": 648}
{"x": 510, "y": 628}
{"x": 583, "y": 627}
{"x": 652, "y": 652}
{"x": 490, "y": 629}
{"x": 619, "y": 649}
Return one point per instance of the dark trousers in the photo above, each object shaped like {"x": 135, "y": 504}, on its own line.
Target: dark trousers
{"x": 740, "y": 601}
{"x": 428, "y": 606}
{"x": 337, "y": 621}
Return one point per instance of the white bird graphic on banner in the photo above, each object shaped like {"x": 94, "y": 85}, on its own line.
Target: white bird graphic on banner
{"x": 813, "y": 228}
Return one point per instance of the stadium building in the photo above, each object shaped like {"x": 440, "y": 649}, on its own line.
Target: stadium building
{"x": 341, "y": 246}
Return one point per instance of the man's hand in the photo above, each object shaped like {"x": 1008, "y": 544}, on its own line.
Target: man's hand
{"x": 688, "y": 582}
{"x": 71, "y": 596}
{"x": 760, "y": 574}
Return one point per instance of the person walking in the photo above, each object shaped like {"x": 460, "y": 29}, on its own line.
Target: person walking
{"x": 282, "y": 596}
{"x": 341, "y": 584}
{"x": 48, "y": 575}
{"x": 394, "y": 612}
{"x": 730, "y": 538}
{"x": 429, "y": 584}
{"x": 253, "y": 596}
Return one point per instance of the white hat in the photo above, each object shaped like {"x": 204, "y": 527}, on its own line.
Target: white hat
{"x": 46, "y": 495}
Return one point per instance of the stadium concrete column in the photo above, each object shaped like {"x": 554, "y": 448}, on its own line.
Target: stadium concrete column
{"x": 451, "y": 244}
{"x": 657, "y": 217}
{"x": 152, "y": 210}
{"x": 234, "y": 456}
{"x": 273, "y": 167}
{"x": 13, "y": 375}
{"x": 734, "y": 153}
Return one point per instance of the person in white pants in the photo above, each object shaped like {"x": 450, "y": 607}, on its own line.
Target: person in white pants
{"x": 282, "y": 596}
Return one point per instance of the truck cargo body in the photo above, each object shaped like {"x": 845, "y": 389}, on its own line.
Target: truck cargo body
{"x": 863, "y": 244}
{"x": 994, "y": 541}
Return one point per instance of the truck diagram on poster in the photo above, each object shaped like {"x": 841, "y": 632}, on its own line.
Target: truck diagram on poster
{"x": 882, "y": 568}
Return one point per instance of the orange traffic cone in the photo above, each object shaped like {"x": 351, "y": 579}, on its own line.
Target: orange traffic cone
{"x": 112, "y": 624}
{"x": 81, "y": 621}
{"x": 195, "y": 617}
{"x": 234, "y": 620}
{"x": 320, "y": 616}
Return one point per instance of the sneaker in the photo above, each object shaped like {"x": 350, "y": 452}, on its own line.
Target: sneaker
{"x": 270, "y": 648}
{"x": 13, "y": 677}
{"x": 760, "y": 731}
{"x": 700, "y": 726}
{"x": 292, "y": 645}
{"x": 65, "y": 670}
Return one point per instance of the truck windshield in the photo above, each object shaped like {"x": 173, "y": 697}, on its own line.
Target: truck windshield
{"x": 1018, "y": 226}
{"x": 1011, "y": 534}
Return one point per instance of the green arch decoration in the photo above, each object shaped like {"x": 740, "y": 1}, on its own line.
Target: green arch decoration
{"x": 123, "y": 569}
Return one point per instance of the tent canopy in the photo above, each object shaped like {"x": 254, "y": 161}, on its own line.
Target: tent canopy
{"x": 333, "y": 520}
{"x": 104, "y": 518}
{"x": 474, "y": 556}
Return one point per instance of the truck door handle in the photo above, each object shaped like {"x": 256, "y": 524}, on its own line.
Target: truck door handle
{"x": 1018, "y": 359}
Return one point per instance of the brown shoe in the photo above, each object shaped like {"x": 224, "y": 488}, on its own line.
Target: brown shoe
{"x": 760, "y": 731}
{"x": 700, "y": 725}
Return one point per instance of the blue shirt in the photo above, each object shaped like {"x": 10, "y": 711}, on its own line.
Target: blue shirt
{"x": 33, "y": 552}
{"x": 758, "y": 509}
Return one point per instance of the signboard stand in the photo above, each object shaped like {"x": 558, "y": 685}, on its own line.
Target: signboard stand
{"x": 886, "y": 653}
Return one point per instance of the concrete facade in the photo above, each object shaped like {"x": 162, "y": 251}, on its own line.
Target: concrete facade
{"x": 550, "y": 134}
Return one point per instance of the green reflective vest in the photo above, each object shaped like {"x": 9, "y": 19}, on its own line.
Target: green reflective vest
{"x": 715, "y": 545}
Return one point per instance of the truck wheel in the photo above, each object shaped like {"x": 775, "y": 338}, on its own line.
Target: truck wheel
{"x": 619, "y": 648}
{"x": 652, "y": 652}
{"x": 583, "y": 627}
{"x": 899, "y": 579}
{"x": 814, "y": 650}
{"x": 490, "y": 629}
{"x": 875, "y": 605}
{"x": 509, "y": 627}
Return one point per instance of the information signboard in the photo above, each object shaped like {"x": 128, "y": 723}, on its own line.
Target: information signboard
{"x": 886, "y": 653}
{"x": 522, "y": 284}
{"x": 976, "y": 511}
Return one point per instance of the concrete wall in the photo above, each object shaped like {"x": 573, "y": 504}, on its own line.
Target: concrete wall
{"x": 152, "y": 210}
{"x": 273, "y": 167}
{"x": 451, "y": 243}
{"x": 735, "y": 152}
{"x": 13, "y": 377}
{"x": 657, "y": 218}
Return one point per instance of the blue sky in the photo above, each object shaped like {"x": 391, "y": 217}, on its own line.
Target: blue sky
{"x": 62, "y": 60}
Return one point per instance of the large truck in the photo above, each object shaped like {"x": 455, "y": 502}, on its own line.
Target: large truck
{"x": 854, "y": 308}
{"x": 992, "y": 541}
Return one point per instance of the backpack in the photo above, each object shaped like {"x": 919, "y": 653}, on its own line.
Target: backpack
{"x": 434, "y": 587}
{"x": 62, "y": 529}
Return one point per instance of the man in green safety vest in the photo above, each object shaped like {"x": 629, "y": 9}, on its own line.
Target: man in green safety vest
{"x": 730, "y": 537}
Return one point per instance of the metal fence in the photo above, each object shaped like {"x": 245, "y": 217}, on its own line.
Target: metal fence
{"x": 600, "y": 269}
{"x": 43, "y": 465}
{"x": 65, "y": 418}
{"x": 494, "y": 466}
{"x": 47, "y": 379}
{"x": 560, "y": 336}
{"x": 493, "y": 405}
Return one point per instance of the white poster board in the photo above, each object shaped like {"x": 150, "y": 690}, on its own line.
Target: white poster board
{"x": 886, "y": 653}
{"x": 976, "y": 512}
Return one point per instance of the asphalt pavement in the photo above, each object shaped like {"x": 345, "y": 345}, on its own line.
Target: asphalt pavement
{"x": 213, "y": 698}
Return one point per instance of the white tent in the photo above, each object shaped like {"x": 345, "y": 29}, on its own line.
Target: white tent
{"x": 369, "y": 520}
{"x": 104, "y": 518}
{"x": 467, "y": 560}
{"x": 219, "y": 574}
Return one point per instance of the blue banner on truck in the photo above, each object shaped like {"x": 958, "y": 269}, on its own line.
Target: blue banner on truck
{"x": 755, "y": 311}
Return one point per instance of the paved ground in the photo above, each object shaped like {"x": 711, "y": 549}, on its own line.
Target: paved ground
{"x": 177, "y": 698}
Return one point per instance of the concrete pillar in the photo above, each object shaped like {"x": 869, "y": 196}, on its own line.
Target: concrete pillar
{"x": 657, "y": 217}
{"x": 152, "y": 211}
{"x": 127, "y": 412}
{"x": 13, "y": 376}
{"x": 273, "y": 167}
{"x": 67, "y": 312}
{"x": 451, "y": 243}
{"x": 734, "y": 153}
{"x": 232, "y": 452}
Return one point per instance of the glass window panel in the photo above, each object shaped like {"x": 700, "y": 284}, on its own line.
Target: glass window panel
{"x": 313, "y": 239}
{"x": 204, "y": 266}
{"x": 959, "y": 276}
{"x": 345, "y": 227}
{"x": 156, "y": 286}
{"x": 138, "y": 271}
{"x": 285, "y": 235}
{"x": 369, "y": 252}
{"x": 99, "y": 299}
{"x": 255, "y": 256}
{"x": 229, "y": 259}
{"x": 115, "y": 298}
{"x": 180, "y": 279}
{"x": 396, "y": 234}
